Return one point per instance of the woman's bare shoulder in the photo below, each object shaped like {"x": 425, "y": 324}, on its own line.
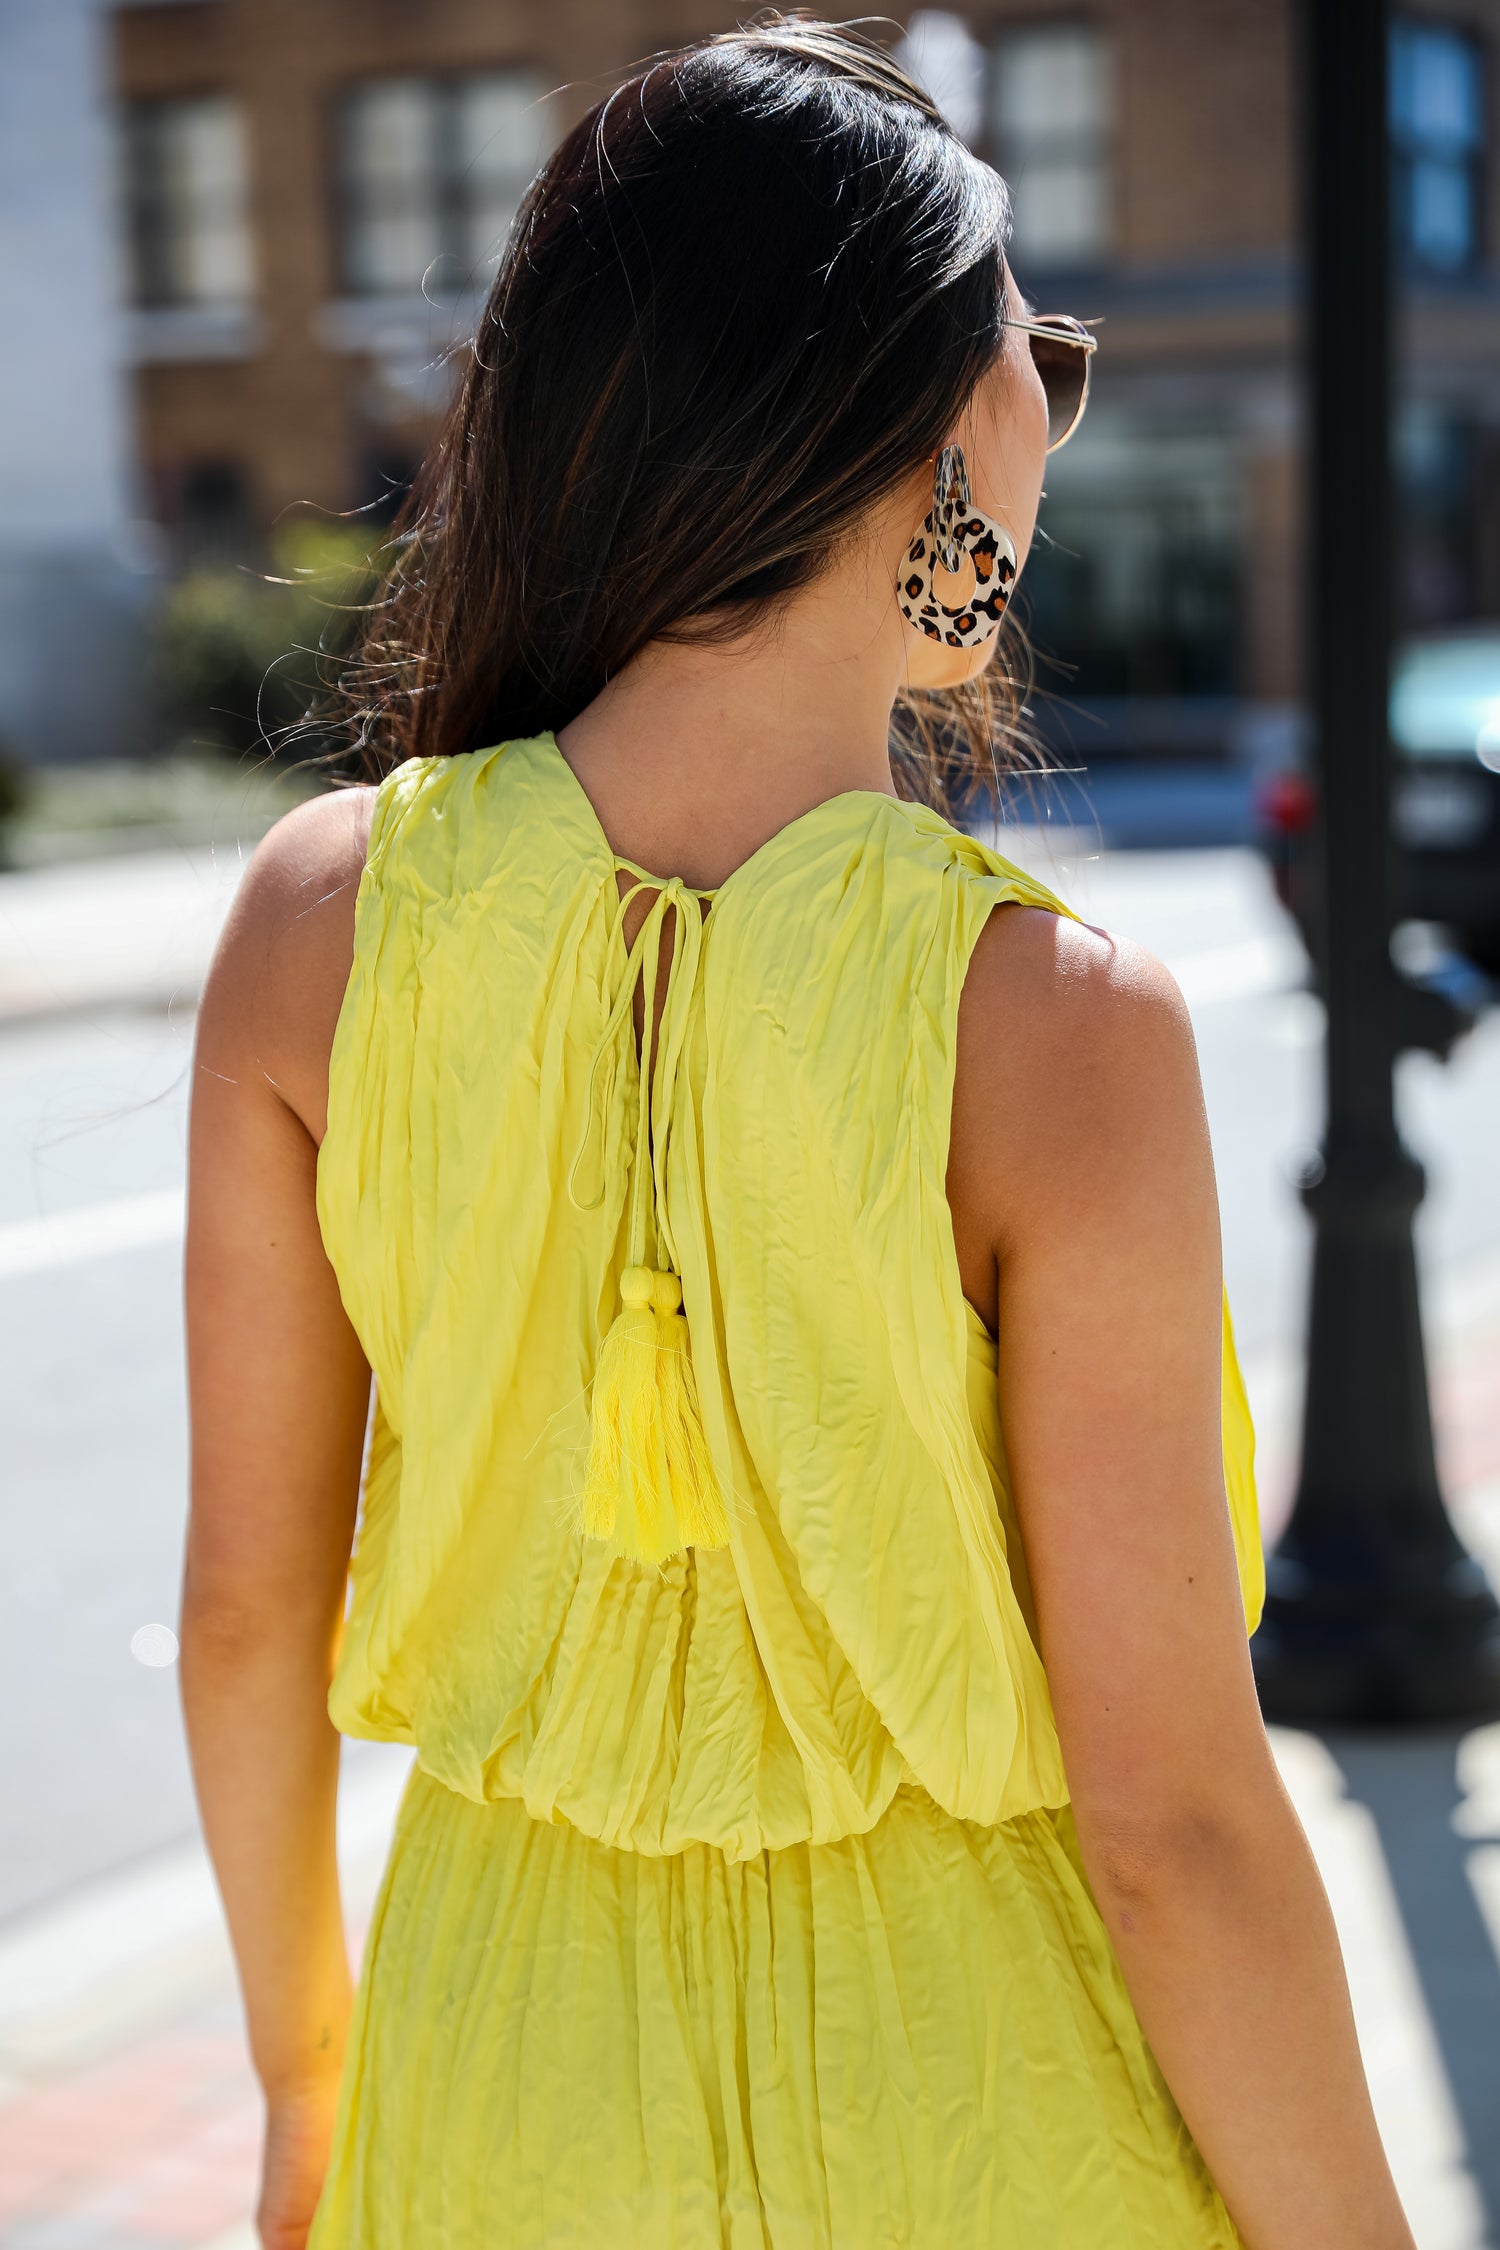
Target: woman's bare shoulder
{"x": 278, "y": 978}
{"x": 1048, "y": 979}
{"x": 1075, "y": 1065}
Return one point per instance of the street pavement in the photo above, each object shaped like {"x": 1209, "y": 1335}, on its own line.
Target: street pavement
{"x": 127, "y": 2116}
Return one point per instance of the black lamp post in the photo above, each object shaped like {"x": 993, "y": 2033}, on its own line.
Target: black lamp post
{"x": 1374, "y": 1609}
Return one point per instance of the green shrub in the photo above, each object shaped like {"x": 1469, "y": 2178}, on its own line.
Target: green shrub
{"x": 241, "y": 656}
{"x": 15, "y": 795}
{"x": 15, "y": 788}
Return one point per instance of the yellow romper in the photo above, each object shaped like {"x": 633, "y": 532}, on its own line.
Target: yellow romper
{"x": 735, "y": 1898}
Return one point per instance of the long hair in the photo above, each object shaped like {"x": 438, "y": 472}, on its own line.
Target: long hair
{"x": 744, "y": 298}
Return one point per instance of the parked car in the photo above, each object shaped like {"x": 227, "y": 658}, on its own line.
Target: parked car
{"x": 1445, "y": 796}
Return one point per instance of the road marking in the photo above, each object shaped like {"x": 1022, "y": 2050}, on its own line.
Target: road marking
{"x": 99, "y": 1230}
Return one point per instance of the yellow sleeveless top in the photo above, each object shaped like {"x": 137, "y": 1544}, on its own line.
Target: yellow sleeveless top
{"x": 481, "y": 1190}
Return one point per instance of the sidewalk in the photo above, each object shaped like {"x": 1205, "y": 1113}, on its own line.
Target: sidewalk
{"x": 1406, "y": 1825}
{"x": 129, "y": 2119}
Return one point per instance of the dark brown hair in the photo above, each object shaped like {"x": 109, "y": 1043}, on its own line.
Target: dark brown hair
{"x": 743, "y": 299}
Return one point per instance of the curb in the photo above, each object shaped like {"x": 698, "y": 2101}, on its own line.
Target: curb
{"x": 122, "y": 1954}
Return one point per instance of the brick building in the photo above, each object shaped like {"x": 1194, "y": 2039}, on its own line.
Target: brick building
{"x": 295, "y": 168}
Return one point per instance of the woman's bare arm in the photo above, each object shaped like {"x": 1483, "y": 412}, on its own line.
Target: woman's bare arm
{"x": 1086, "y": 1213}
{"x": 279, "y": 1393}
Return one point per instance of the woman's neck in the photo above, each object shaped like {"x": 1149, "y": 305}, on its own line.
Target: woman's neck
{"x": 696, "y": 755}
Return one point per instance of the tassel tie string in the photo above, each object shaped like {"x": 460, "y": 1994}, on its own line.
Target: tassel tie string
{"x": 649, "y": 1487}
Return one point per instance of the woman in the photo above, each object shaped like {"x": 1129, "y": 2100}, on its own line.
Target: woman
{"x": 832, "y": 1824}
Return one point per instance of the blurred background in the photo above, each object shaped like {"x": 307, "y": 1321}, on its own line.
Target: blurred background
{"x": 241, "y": 245}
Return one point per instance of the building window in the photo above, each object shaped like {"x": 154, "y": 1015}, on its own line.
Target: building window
{"x": 431, "y": 173}
{"x": 186, "y": 201}
{"x": 212, "y": 516}
{"x": 1437, "y": 124}
{"x": 1050, "y": 105}
{"x": 942, "y": 54}
{"x": 1138, "y": 590}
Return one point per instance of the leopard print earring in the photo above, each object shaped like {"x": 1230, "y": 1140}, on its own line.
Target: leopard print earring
{"x": 953, "y": 528}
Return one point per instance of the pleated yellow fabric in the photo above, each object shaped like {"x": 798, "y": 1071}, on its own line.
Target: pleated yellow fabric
{"x": 735, "y": 1898}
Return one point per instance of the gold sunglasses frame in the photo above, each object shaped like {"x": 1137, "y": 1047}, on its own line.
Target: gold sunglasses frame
{"x": 1062, "y": 328}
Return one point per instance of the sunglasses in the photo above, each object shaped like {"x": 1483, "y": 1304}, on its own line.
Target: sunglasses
{"x": 1062, "y": 351}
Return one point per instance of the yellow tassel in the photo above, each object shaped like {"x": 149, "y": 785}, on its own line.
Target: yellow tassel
{"x": 649, "y": 1487}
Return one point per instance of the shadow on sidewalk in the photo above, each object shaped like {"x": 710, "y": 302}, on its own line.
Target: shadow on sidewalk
{"x": 1410, "y": 1785}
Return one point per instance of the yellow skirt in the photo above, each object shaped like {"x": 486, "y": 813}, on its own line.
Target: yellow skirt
{"x": 916, "y": 2039}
